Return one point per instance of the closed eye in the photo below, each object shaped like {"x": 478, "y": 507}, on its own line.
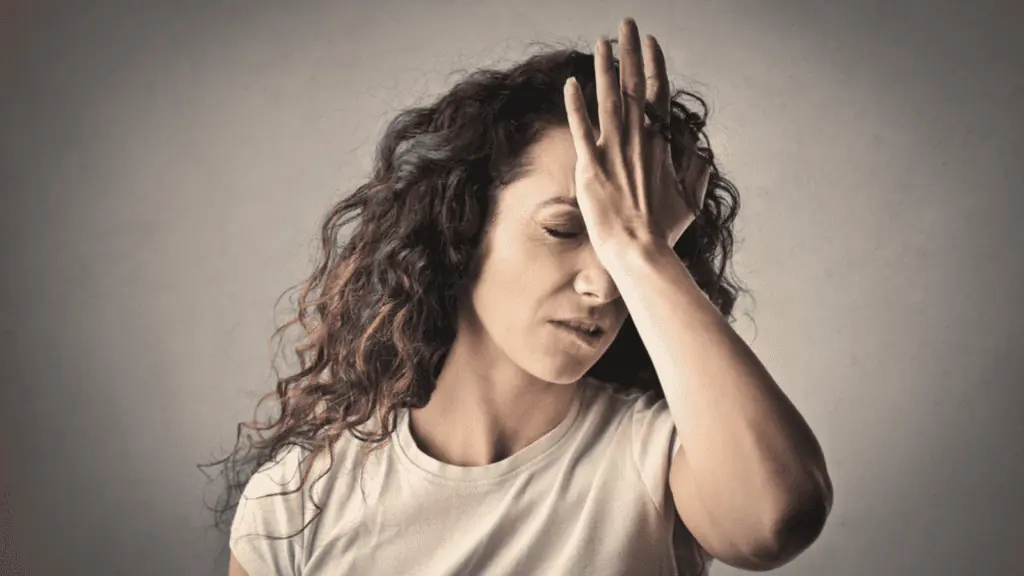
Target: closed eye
{"x": 562, "y": 234}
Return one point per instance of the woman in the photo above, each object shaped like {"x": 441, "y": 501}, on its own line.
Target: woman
{"x": 521, "y": 361}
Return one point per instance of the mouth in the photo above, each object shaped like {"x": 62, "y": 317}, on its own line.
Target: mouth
{"x": 590, "y": 335}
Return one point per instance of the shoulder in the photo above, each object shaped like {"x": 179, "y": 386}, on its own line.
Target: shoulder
{"x": 270, "y": 515}
{"x": 273, "y": 492}
{"x": 281, "y": 470}
{"x": 281, "y": 481}
{"x": 646, "y": 424}
{"x": 640, "y": 417}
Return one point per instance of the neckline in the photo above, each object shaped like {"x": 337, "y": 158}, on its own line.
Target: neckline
{"x": 409, "y": 451}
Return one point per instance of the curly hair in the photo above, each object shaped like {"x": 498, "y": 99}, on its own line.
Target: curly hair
{"x": 377, "y": 312}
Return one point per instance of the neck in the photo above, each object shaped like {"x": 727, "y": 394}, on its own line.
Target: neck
{"x": 484, "y": 409}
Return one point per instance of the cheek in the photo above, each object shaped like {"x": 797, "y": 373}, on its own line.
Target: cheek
{"x": 515, "y": 282}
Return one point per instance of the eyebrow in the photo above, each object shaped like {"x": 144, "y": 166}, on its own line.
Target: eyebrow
{"x": 566, "y": 200}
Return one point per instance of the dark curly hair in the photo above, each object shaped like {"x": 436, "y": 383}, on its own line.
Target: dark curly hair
{"x": 377, "y": 313}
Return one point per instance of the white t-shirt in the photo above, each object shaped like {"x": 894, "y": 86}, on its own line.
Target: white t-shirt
{"x": 589, "y": 497}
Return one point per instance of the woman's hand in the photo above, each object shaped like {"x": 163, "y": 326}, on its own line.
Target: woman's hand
{"x": 627, "y": 188}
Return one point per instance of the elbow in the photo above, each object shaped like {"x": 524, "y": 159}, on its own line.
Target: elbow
{"x": 797, "y": 527}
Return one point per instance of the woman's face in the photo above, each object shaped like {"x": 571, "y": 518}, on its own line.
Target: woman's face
{"x": 539, "y": 268}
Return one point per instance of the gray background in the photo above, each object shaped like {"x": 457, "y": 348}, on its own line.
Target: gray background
{"x": 165, "y": 164}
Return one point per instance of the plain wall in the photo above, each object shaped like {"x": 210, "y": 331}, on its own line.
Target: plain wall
{"x": 165, "y": 165}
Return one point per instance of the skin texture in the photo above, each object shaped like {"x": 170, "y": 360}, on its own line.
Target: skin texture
{"x": 749, "y": 480}
{"x": 511, "y": 375}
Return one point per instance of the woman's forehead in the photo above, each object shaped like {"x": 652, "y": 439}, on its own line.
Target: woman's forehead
{"x": 554, "y": 151}
{"x": 549, "y": 168}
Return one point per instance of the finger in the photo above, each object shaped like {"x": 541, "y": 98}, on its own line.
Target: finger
{"x": 579, "y": 123}
{"x": 657, "y": 76}
{"x": 695, "y": 179}
{"x": 631, "y": 72}
{"x": 609, "y": 100}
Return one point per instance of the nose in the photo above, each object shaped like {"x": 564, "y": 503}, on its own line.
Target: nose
{"x": 593, "y": 281}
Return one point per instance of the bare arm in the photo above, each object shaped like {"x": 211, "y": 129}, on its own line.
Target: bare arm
{"x": 234, "y": 568}
{"x": 750, "y": 480}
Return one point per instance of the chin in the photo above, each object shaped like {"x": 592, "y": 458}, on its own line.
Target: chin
{"x": 549, "y": 362}
{"x": 562, "y": 375}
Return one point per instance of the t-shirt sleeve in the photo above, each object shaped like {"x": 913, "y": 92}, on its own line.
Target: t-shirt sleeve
{"x": 265, "y": 519}
{"x": 655, "y": 443}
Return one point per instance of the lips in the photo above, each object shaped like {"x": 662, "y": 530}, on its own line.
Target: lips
{"x": 591, "y": 338}
{"x": 583, "y": 326}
